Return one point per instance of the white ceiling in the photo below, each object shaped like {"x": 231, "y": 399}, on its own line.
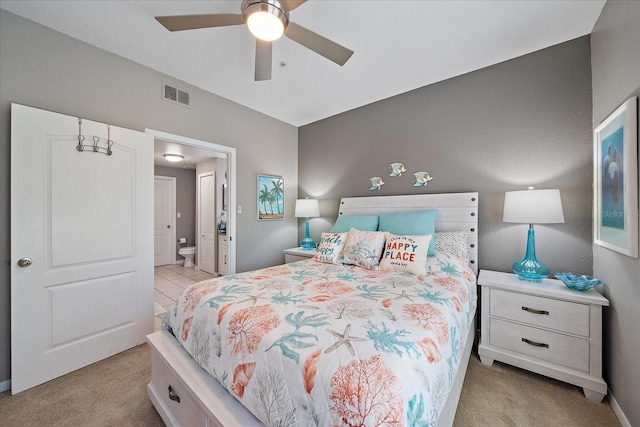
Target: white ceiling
{"x": 399, "y": 45}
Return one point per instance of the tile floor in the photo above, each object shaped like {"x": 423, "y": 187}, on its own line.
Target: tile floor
{"x": 169, "y": 282}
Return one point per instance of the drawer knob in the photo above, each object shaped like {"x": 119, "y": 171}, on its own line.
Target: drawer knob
{"x": 534, "y": 311}
{"x": 175, "y": 397}
{"x": 535, "y": 344}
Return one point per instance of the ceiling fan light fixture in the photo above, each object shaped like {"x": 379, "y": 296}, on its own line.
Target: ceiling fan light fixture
{"x": 173, "y": 157}
{"x": 266, "y": 19}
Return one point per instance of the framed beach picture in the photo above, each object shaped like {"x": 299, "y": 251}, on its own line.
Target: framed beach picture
{"x": 270, "y": 197}
{"x": 615, "y": 174}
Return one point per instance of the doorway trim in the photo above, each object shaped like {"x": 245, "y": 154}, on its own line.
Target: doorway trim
{"x": 231, "y": 181}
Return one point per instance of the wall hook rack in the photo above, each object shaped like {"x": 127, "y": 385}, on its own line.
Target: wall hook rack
{"x": 95, "y": 147}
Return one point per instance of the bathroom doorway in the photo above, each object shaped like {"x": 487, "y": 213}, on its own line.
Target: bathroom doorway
{"x": 202, "y": 157}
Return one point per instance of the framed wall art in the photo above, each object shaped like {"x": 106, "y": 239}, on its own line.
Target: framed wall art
{"x": 270, "y": 197}
{"x": 615, "y": 174}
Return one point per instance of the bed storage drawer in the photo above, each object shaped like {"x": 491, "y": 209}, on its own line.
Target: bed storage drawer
{"x": 175, "y": 394}
{"x": 563, "y": 316}
{"x": 205, "y": 402}
{"x": 547, "y": 345}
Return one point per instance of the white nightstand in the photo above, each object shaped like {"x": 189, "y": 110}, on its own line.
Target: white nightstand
{"x": 543, "y": 327}
{"x": 297, "y": 254}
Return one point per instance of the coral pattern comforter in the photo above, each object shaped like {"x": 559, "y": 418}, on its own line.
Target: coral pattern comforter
{"x": 310, "y": 343}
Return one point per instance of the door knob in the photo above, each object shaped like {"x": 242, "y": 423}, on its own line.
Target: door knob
{"x": 24, "y": 262}
{"x": 168, "y": 226}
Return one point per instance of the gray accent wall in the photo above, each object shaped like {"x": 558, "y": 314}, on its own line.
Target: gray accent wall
{"x": 185, "y": 203}
{"x": 523, "y": 122}
{"x": 45, "y": 69}
{"x": 615, "y": 60}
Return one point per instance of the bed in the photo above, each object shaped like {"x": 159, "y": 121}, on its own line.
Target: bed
{"x": 323, "y": 343}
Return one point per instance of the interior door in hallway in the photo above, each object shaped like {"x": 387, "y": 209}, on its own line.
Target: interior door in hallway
{"x": 207, "y": 221}
{"x": 164, "y": 237}
{"x": 81, "y": 243}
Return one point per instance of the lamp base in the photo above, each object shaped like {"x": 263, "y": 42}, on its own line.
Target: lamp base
{"x": 529, "y": 268}
{"x": 532, "y": 270}
{"x": 308, "y": 243}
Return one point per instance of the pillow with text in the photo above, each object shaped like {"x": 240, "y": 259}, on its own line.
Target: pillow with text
{"x": 405, "y": 253}
{"x": 330, "y": 247}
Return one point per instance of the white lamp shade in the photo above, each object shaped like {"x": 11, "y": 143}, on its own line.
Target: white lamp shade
{"x": 533, "y": 207}
{"x": 307, "y": 208}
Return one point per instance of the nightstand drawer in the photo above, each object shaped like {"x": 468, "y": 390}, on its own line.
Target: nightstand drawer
{"x": 298, "y": 254}
{"x": 553, "y": 347}
{"x": 293, "y": 258}
{"x": 549, "y": 313}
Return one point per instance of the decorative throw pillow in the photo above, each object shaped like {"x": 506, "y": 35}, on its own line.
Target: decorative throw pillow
{"x": 344, "y": 223}
{"x": 405, "y": 253}
{"x": 363, "y": 248}
{"x": 415, "y": 223}
{"x": 330, "y": 247}
{"x": 455, "y": 242}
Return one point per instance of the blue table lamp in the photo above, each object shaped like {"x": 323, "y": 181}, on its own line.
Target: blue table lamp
{"x": 307, "y": 208}
{"x": 532, "y": 207}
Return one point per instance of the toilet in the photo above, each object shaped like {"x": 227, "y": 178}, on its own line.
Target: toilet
{"x": 189, "y": 254}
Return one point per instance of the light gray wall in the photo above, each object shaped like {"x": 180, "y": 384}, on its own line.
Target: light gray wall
{"x": 615, "y": 60}
{"x": 185, "y": 202}
{"x": 519, "y": 123}
{"x": 45, "y": 69}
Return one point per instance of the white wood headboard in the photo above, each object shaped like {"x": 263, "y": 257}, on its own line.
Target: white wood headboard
{"x": 456, "y": 212}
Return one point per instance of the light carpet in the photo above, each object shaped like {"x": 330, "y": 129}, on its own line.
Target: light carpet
{"x": 113, "y": 393}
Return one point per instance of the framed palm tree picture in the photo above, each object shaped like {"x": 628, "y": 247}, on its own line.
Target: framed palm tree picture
{"x": 270, "y": 197}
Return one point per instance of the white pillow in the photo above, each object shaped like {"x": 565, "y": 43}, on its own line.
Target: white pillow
{"x": 330, "y": 247}
{"x": 406, "y": 253}
{"x": 363, "y": 248}
{"x": 456, "y": 243}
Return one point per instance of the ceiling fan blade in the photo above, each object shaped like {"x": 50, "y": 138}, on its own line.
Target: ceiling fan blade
{"x": 193, "y": 22}
{"x": 263, "y": 60}
{"x": 320, "y": 45}
{"x": 291, "y": 4}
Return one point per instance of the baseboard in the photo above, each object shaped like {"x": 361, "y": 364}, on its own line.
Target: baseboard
{"x": 624, "y": 422}
{"x": 5, "y": 386}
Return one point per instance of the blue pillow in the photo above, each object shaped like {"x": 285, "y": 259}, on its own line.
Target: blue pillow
{"x": 410, "y": 224}
{"x": 359, "y": 222}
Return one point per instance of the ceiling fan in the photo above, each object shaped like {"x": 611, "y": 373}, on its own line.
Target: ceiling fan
{"x": 267, "y": 20}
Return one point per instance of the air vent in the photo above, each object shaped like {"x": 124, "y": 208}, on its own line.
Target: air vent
{"x": 174, "y": 95}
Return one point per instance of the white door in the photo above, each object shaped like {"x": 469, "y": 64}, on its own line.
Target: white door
{"x": 164, "y": 201}
{"x": 207, "y": 222}
{"x": 82, "y": 219}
